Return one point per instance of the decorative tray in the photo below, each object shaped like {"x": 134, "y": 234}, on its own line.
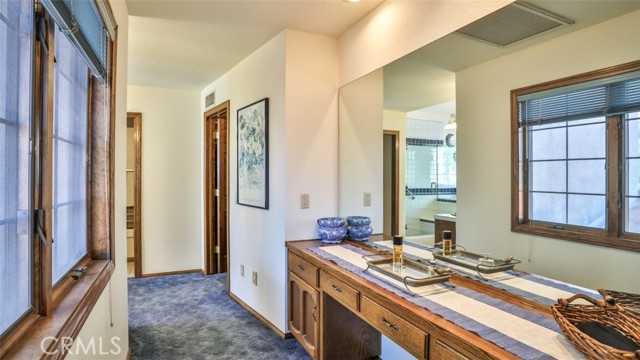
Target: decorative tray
{"x": 482, "y": 263}
{"x": 412, "y": 273}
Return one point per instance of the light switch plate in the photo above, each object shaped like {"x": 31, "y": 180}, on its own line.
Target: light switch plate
{"x": 241, "y": 270}
{"x": 255, "y": 278}
{"x": 366, "y": 199}
{"x": 304, "y": 201}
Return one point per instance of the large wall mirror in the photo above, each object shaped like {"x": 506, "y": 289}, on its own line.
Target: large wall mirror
{"x": 408, "y": 110}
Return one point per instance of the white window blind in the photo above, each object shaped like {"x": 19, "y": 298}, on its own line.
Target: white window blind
{"x": 81, "y": 22}
{"x": 71, "y": 91}
{"x": 16, "y": 20}
{"x": 603, "y": 97}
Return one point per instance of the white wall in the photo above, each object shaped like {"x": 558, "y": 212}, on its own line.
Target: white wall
{"x": 302, "y": 159}
{"x": 256, "y": 236}
{"x": 171, "y": 177}
{"x": 484, "y": 163}
{"x": 112, "y": 304}
{"x": 311, "y": 94}
{"x": 396, "y": 28}
{"x": 360, "y": 148}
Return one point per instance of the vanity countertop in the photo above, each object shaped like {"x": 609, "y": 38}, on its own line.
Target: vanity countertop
{"x": 445, "y": 217}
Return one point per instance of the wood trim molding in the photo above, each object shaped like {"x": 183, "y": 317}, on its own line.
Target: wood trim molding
{"x": 179, "y": 272}
{"x": 137, "y": 192}
{"x": 66, "y": 318}
{"x": 260, "y": 317}
{"x": 395, "y": 187}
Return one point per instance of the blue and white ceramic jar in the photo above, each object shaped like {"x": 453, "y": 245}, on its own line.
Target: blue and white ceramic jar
{"x": 332, "y": 229}
{"x": 359, "y": 228}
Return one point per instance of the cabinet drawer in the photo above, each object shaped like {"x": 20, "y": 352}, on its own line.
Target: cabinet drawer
{"x": 406, "y": 335}
{"x": 340, "y": 291}
{"x": 303, "y": 269}
{"x": 442, "y": 351}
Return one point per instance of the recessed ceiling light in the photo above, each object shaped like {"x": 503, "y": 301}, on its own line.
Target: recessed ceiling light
{"x": 352, "y": 1}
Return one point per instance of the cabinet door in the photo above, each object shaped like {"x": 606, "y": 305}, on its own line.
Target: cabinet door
{"x": 304, "y": 313}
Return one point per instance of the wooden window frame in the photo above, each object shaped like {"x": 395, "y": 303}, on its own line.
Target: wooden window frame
{"x": 614, "y": 235}
{"x": 60, "y": 312}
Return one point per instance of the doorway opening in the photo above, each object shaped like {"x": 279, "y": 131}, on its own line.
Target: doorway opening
{"x": 216, "y": 189}
{"x": 134, "y": 194}
{"x": 391, "y": 218}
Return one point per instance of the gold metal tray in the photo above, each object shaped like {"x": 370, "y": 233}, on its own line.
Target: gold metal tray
{"x": 482, "y": 263}
{"x": 413, "y": 273}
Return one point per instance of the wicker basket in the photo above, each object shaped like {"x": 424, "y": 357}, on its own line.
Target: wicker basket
{"x": 627, "y": 300}
{"x": 568, "y": 315}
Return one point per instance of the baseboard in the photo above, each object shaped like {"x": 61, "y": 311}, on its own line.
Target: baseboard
{"x": 260, "y": 317}
{"x": 172, "y": 273}
{"x": 130, "y": 259}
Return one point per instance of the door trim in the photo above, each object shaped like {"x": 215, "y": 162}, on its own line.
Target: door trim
{"x": 209, "y": 255}
{"x": 137, "y": 192}
{"x": 395, "y": 181}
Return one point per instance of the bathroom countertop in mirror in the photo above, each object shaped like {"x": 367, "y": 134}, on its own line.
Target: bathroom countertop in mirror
{"x": 445, "y": 217}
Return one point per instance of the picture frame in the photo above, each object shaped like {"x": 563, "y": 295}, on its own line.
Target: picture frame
{"x": 253, "y": 155}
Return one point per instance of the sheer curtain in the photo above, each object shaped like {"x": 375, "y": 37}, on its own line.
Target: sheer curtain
{"x": 71, "y": 91}
{"x": 15, "y": 171}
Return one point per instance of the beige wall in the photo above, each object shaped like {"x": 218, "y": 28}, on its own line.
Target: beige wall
{"x": 111, "y": 307}
{"x": 360, "y": 144}
{"x": 171, "y": 178}
{"x": 484, "y": 165}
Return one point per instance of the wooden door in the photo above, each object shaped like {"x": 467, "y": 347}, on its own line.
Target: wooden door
{"x": 216, "y": 189}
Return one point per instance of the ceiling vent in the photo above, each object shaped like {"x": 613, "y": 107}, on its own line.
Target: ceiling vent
{"x": 513, "y": 23}
{"x": 210, "y": 99}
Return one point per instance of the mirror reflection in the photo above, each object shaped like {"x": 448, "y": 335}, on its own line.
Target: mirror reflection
{"x": 398, "y": 148}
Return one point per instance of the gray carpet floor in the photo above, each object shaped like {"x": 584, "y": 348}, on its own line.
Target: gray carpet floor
{"x": 191, "y": 317}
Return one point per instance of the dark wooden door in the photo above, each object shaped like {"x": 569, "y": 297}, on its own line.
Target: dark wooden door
{"x": 216, "y": 189}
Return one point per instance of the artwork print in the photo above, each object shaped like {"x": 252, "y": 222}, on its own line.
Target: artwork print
{"x": 253, "y": 155}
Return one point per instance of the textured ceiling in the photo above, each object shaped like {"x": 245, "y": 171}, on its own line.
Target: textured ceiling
{"x": 188, "y": 44}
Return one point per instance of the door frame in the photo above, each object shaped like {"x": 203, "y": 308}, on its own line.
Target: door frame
{"x": 210, "y": 258}
{"x": 137, "y": 192}
{"x": 395, "y": 180}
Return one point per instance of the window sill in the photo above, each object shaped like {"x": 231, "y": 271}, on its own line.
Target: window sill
{"x": 66, "y": 318}
{"x": 628, "y": 242}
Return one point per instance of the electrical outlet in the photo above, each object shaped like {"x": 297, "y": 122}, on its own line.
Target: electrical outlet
{"x": 304, "y": 201}
{"x": 366, "y": 199}
{"x": 255, "y": 278}
{"x": 241, "y": 270}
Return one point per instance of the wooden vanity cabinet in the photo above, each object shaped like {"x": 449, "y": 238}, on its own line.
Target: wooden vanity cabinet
{"x": 304, "y": 305}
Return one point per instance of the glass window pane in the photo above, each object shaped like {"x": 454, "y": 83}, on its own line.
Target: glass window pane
{"x": 587, "y": 176}
{"x": 632, "y": 180}
{"x": 71, "y": 87}
{"x": 587, "y": 141}
{"x": 548, "y": 144}
{"x": 548, "y": 207}
{"x": 549, "y": 176}
{"x": 587, "y": 210}
{"x": 15, "y": 170}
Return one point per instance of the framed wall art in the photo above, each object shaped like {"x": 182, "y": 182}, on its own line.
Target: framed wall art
{"x": 253, "y": 155}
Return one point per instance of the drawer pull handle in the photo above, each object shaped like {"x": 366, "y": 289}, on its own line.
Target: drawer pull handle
{"x": 313, "y": 313}
{"x": 300, "y": 267}
{"x": 336, "y": 288}
{"x": 393, "y": 326}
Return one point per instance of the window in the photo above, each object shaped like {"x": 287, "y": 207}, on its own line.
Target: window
{"x": 576, "y": 158}
{"x": 70, "y": 114}
{"x": 15, "y": 162}
{"x": 56, "y": 148}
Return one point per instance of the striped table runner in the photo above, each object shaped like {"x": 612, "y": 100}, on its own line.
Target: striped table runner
{"x": 533, "y": 287}
{"x": 524, "y": 333}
